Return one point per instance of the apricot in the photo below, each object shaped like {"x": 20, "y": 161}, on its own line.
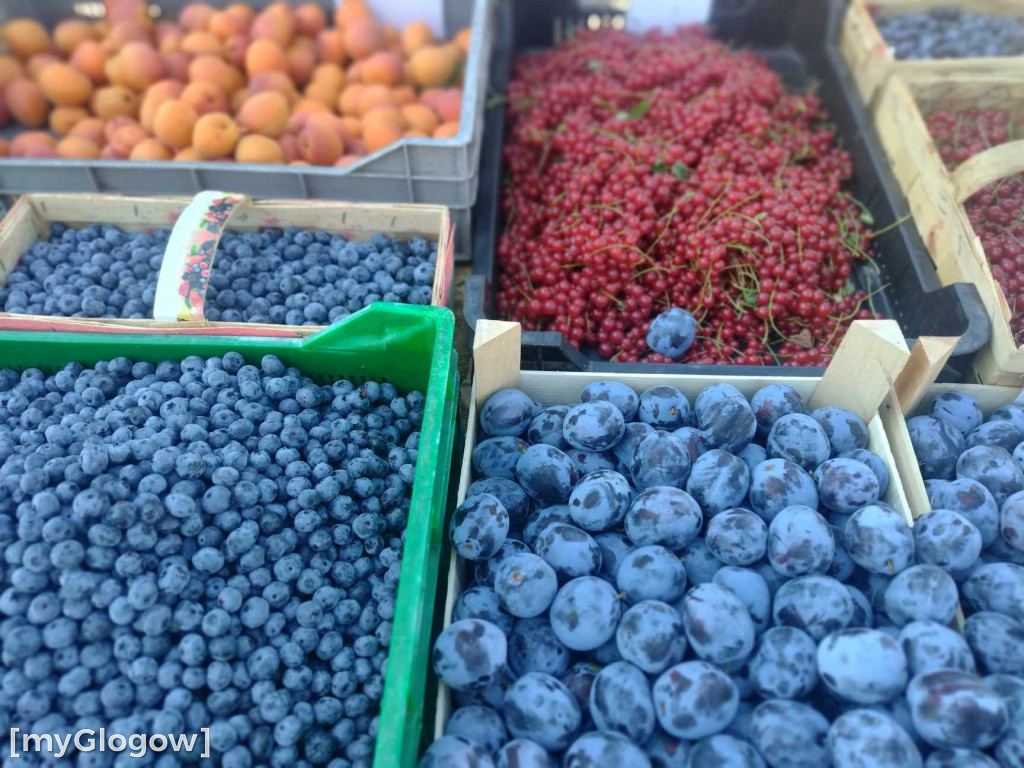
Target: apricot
{"x": 25, "y": 37}
{"x": 421, "y": 117}
{"x": 125, "y": 32}
{"x": 204, "y": 97}
{"x": 187, "y": 155}
{"x": 5, "y": 116}
{"x": 156, "y": 95}
{"x": 235, "y": 49}
{"x": 64, "y": 85}
{"x": 198, "y": 43}
{"x": 448, "y": 105}
{"x": 351, "y": 11}
{"x": 274, "y": 24}
{"x": 212, "y": 69}
{"x": 415, "y": 35}
{"x": 432, "y": 65}
{"x": 242, "y": 11}
{"x": 274, "y": 81}
{"x": 363, "y": 37}
{"x": 380, "y": 134}
{"x": 414, "y": 133}
{"x": 301, "y": 62}
{"x": 10, "y": 68}
{"x": 374, "y": 96}
{"x": 150, "y": 149}
{"x": 41, "y": 151}
{"x": 5, "y": 148}
{"x": 331, "y": 74}
{"x": 265, "y": 56}
{"x": 127, "y": 136}
{"x": 456, "y": 52}
{"x": 403, "y": 94}
{"x": 173, "y": 123}
{"x": 323, "y": 92}
{"x": 337, "y": 124}
{"x": 170, "y": 42}
{"x": 319, "y": 144}
{"x": 90, "y": 58}
{"x": 462, "y": 39}
{"x": 225, "y": 25}
{"x": 78, "y": 147}
{"x": 114, "y": 100}
{"x": 68, "y": 34}
{"x": 89, "y": 128}
{"x": 383, "y": 68}
{"x": 63, "y": 119}
{"x": 114, "y": 124}
{"x": 21, "y": 143}
{"x": 346, "y": 160}
{"x": 196, "y": 16}
{"x": 309, "y": 105}
{"x": 330, "y": 47}
{"x": 26, "y": 102}
{"x": 354, "y": 73}
{"x": 141, "y": 65}
{"x": 290, "y": 147}
{"x": 310, "y": 19}
{"x": 36, "y": 64}
{"x": 167, "y": 31}
{"x": 446, "y": 130}
{"x": 110, "y": 152}
{"x": 384, "y": 113}
{"x": 348, "y": 101}
{"x": 215, "y": 136}
{"x": 265, "y": 113}
{"x": 259, "y": 149}
{"x": 393, "y": 38}
{"x": 352, "y": 127}
{"x": 176, "y": 65}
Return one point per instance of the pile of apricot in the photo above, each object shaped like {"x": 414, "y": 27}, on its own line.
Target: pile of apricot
{"x": 285, "y": 84}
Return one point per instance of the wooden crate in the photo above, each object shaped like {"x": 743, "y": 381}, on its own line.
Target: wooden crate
{"x": 31, "y": 216}
{"x": 848, "y": 382}
{"x": 936, "y": 195}
{"x": 871, "y": 62}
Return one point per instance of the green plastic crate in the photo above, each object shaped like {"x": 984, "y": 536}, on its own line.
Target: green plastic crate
{"x": 409, "y": 346}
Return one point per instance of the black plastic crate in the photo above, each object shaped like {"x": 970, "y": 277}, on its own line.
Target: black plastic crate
{"x": 797, "y": 38}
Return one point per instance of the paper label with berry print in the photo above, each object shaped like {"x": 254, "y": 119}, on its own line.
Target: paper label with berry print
{"x": 188, "y": 258}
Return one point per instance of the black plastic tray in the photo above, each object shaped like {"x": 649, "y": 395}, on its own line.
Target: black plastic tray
{"x": 797, "y": 38}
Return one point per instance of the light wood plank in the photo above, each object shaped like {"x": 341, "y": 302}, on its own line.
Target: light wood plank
{"x": 864, "y": 367}
{"x": 927, "y": 357}
{"x": 496, "y": 352}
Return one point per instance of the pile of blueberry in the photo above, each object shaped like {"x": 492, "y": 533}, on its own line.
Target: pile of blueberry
{"x": 281, "y": 276}
{"x": 202, "y": 544}
{"x": 950, "y": 33}
{"x": 660, "y": 583}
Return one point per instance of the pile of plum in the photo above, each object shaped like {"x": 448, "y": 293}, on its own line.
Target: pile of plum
{"x": 663, "y": 584}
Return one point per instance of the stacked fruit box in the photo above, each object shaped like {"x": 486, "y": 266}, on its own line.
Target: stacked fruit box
{"x": 880, "y": 39}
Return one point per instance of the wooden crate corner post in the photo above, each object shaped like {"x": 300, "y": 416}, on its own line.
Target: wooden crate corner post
{"x": 496, "y": 357}
{"x": 864, "y": 368}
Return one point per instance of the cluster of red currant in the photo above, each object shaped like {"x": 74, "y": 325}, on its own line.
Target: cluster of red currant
{"x": 997, "y": 211}
{"x": 668, "y": 170}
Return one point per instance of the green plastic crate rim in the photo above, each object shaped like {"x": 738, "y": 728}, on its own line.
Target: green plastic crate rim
{"x": 409, "y": 346}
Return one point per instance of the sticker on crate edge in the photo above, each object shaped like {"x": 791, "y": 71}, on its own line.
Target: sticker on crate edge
{"x": 185, "y": 271}
{"x": 666, "y": 14}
